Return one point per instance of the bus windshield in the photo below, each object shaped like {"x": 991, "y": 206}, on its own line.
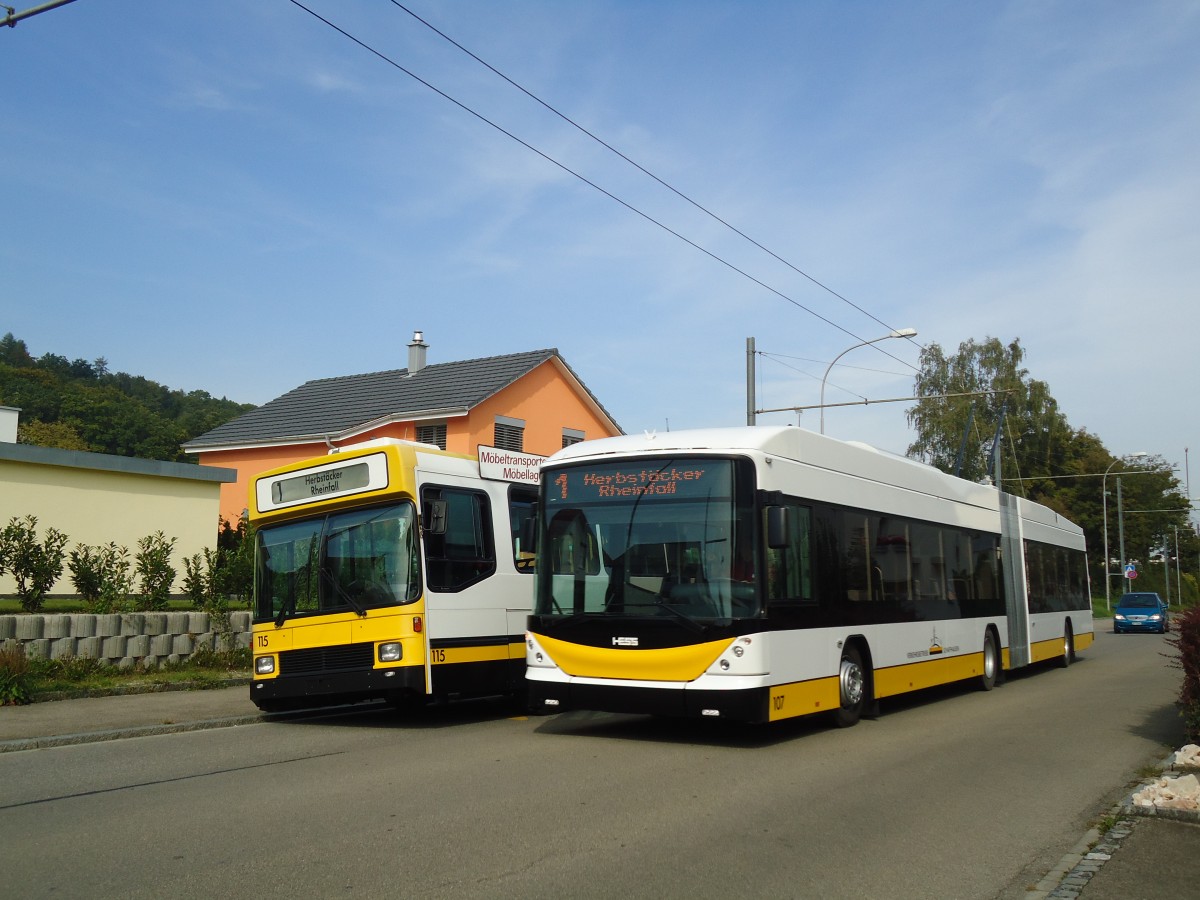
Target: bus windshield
{"x": 352, "y": 561}
{"x": 653, "y": 537}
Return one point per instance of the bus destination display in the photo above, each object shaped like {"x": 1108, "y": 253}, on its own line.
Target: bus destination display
{"x": 681, "y": 479}
{"x": 314, "y": 485}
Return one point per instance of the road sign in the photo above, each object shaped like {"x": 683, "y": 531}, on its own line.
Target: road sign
{"x": 1130, "y": 572}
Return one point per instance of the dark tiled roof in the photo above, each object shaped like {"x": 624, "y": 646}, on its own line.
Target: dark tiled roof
{"x": 330, "y": 406}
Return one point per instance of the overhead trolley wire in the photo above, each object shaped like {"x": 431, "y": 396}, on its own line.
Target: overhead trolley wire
{"x": 385, "y": 58}
{"x": 644, "y": 170}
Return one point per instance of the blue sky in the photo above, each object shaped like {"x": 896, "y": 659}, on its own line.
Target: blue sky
{"x": 236, "y": 198}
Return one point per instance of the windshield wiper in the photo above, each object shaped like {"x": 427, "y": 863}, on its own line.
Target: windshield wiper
{"x": 343, "y": 593}
{"x": 679, "y": 614}
{"x": 283, "y": 611}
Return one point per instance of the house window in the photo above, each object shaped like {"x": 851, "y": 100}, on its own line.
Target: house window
{"x": 510, "y": 434}
{"x": 432, "y": 434}
{"x": 571, "y": 436}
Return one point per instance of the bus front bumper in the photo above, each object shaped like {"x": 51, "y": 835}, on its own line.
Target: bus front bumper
{"x": 333, "y": 688}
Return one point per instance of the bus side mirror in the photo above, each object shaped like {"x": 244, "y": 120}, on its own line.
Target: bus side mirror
{"x": 777, "y": 527}
{"x": 433, "y": 517}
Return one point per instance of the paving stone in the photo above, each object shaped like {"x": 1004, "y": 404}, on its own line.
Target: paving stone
{"x": 29, "y": 628}
{"x": 138, "y": 645}
{"x": 181, "y": 645}
{"x": 160, "y": 644}
{"x": 56, "y": 626}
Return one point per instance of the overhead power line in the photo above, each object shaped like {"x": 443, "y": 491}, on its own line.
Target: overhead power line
{"x": 385, "y": 58}
{"x": 641, "y": 168}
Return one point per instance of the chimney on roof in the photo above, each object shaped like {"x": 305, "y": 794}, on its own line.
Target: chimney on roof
{"x": 416, "y": 353}
{"x": 8, "y": 424}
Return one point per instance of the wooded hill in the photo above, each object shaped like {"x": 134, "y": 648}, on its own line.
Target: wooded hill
{"x": 80, "y": 405}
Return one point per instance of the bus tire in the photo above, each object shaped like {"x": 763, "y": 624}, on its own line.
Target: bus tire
{"x": 1068, "y": 654}
{"x": 852, "y": 688}
{"x": 991, "y": 661}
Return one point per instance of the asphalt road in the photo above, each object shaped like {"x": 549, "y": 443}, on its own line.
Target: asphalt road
{"x": 956, "y": 793}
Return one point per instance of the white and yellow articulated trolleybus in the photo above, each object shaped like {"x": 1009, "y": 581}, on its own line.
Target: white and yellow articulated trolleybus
{"x": 391, "y": 570}
{"x": 762, "y": 573}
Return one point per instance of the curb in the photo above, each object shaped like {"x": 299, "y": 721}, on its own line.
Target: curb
{"x": 116, "y": 734}
{"x": 133, "y": 731}
{"x": 1076, "y": 869}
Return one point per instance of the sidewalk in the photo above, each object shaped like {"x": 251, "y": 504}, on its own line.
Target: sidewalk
{"x": 1143, "y": 857}
{"x": 58, "y": 723}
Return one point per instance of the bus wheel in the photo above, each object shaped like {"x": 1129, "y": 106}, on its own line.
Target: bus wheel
{"x": 991, "y": 662}
{"x": 852, "y": 688}
{"x": 1068, "y": 654}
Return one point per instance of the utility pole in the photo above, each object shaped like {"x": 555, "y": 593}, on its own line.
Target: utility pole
{"x": 1121, "y": 533}
{"x": 750, "y": 398}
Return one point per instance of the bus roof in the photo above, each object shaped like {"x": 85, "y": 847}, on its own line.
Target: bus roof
{"x": 820, "y": 451}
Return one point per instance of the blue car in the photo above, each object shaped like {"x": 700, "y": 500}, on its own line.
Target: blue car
{"x": 1143, "y": 611}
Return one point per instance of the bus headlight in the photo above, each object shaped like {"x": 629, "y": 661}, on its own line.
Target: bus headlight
{"x": 264, "y": 665}
{"x": 391, "y": 652}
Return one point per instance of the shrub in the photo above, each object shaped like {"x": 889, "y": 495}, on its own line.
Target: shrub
{"x": 14, "y": 676}
{"x": 199, "y": 579}
{"x": 154, "y": 570}
{"x": 1187, "y": 642}
{"x": 101, "y": 577}
{"x": 86, "y": 565}
{"x": 204, "y": 582}
{"x": 235, "y": 560}
{"x": 35, "y": 565}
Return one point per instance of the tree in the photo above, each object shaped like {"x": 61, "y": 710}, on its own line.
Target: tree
{"x": 1033, "y": 432}
{"x": 14, "y": 353}
{"x": 1042, "y": 457}
{"x": 65, "y": 402}
{"x": 61, "y": 435}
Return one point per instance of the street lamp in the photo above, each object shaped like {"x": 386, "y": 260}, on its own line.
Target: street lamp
{"x": 1104, "y": 501}
{"x": 901, "y": 333}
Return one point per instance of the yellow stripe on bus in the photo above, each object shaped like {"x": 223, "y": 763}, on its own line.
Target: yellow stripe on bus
{"x": 1040, "y": 651}
{"x": 667, "y": 664}
{"x": 489, "y": 653}
{"x": 927, "y": 673}
{"x": 802, "y": 698}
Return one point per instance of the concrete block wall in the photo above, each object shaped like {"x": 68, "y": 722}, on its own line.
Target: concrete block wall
{"x": 148, "y": 640}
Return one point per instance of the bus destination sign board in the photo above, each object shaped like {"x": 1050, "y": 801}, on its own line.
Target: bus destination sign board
{"x": 325, "y": 482}
{"x": 682, "y": 479}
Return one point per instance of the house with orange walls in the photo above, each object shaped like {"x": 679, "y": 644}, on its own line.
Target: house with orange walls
{"x": 530, "y": 402}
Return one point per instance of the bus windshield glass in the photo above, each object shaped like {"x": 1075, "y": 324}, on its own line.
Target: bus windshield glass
{"x": 349, "y": 561}
{"x": 652, "y": 537}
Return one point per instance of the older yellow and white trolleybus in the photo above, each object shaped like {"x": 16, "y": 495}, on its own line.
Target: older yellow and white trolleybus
{"x": 763, "y": 573}
{"x": 390, "y": 570}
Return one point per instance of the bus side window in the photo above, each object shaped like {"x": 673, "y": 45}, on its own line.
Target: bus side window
{"x": 789, "y": 556}
{"x": 522, "y": 520}
{"x": 465, "y": 553}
